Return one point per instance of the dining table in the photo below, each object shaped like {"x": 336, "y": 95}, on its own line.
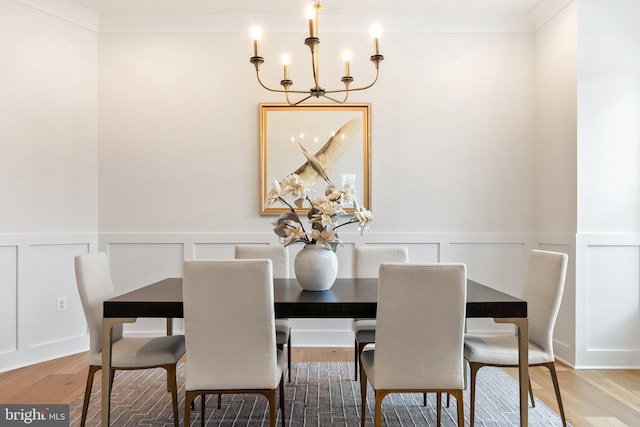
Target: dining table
{"x": 347, "y": 298}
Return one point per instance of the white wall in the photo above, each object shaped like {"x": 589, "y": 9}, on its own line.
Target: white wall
{"x": 179, "y": 132}
{"x": 48, "y": 170}
{"x": 49, "y": 110}
{"x": 555, "y": 123}
{"x": 608, "y": 241}
{"x": 555, "y": 156}
{"x": 608, "y": 111}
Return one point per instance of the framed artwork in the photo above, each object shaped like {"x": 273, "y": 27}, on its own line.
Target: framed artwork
{"x": 337, "y": 136}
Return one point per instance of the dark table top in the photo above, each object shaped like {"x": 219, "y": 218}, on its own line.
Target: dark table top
{"x": 347, "y": 298}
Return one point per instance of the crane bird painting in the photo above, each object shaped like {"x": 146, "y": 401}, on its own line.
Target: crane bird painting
{"x": 318, "y": 143}
{"x": 320, "y": 164}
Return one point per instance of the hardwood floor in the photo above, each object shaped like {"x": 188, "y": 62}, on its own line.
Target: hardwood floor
{"x": 591, "y": 397}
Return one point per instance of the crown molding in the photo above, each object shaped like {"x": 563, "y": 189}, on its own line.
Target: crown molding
{"x": 544, "y": 11}
{"x": 67, "y": 11}
{"x": 294, "y": 24}
{"x": 331, "y": 24}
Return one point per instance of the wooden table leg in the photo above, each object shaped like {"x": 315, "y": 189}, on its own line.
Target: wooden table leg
{"x": 523, "y": 369}
{"x": 107, "y": 327}
{"x": 169, "y": 326}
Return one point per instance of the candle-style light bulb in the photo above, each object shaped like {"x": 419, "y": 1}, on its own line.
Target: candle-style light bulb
{"x": 375, "y": 33}
{"x": 285, "y": 62}
{"x": 311, "y": 16}
{"x": 256, "y": 33}
{"x": 346, "y": 56}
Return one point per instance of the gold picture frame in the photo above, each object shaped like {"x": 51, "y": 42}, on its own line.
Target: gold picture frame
{"x": 284, "y": 130}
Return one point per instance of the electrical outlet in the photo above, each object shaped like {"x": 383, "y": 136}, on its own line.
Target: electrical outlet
{"x": 61, "y": 304}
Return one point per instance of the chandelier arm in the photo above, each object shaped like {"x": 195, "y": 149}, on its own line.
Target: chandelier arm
{"x": 279, "y": 90}
{"x": 351, "y": 89}
{"x": 301, "y": 101}
{"x": 265, "y": 86}
{"x": 346, "y": 95}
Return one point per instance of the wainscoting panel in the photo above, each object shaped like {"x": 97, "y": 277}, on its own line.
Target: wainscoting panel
{"x": 8, "y": 302}
{"x": 608, "y": 300}
{"x": 213, "y": 250}
{"x": 613, "y": 295}
{"x": 135, "y": 263}
{"x": 423, "y": 253}
{"x": 53, "y": 275}
{"x": 35, "y": 270}
{"x": 499, "y": 265}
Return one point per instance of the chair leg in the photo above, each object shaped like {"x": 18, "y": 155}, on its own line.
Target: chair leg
{"x": 203, "y": 402}
{"x": 378, "y": 411}
{"x": 289, "y": 355}
{"x": 188, "y": 403}
{"x": 173, "y": 388}
{"x": 438, "y": 409}
{"x": 87, "y": 393}
{"x": 282, "y": 401}
{"x": 533, "y": 401}
{"x": 424, "y": 399}
{"x": 281, "y": 348}
{"x": 473, "y": 368}
{"x": 356, "y": 359}
{"x": 460, "y": 406}
{"x": 363, "y": 395}
{"x": 554, "y": 378}
{"x": 448, "y": 399}
{"x": 271, "y": 396}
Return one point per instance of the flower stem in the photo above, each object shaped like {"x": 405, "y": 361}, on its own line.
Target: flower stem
{"x": 287, "y": 203}
{"x": 351, "y": 221}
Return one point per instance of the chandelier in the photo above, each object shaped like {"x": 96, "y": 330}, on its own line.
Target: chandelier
{"x": 312, "y": 42}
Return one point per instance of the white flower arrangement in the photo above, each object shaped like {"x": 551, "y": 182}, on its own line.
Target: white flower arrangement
{"x": 326, "y": 214}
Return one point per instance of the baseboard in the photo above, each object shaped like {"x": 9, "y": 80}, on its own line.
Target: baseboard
{"x": 15, "y": 360}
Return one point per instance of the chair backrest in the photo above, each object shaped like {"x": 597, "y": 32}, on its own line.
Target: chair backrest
{"x": 229, "y": 325}
{"x": 420, "y": 326}
{"x": 543, "y": 292}
{"x": 369, "y": 258}
{"x": 278, "y": 254}
{"x": 95, "y": 286}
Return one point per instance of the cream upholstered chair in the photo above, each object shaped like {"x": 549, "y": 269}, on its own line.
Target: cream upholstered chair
{"x": 419, "y": 334}
{"x": 230, "y": 332}
{"x": 367, "y": 262}
{"x": 95, "y": 286}
{"x": 279, "y": 256}
{"x": 543, "y": 292}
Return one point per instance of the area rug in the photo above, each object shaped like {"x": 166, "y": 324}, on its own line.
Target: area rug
{"x": 320, "y": 394}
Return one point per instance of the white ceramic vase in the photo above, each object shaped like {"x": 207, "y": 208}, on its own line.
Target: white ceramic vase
{"x": 316, "y": 268}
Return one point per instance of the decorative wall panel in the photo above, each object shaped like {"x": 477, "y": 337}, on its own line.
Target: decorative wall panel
{"x": 36, "y": 269}
{"x": 52, "y": 275}
{"x": 613, "y": 298}
{"x": 8, "y": 302}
